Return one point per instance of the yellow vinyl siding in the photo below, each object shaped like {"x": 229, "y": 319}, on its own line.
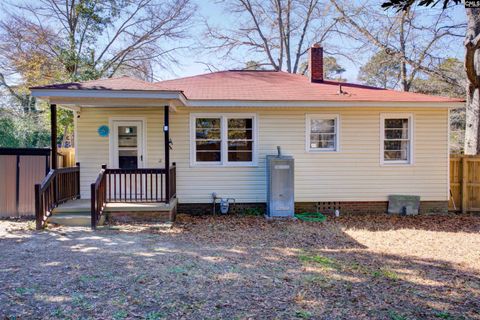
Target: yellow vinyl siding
{"x": 93, "y": 150}
{"x": 352, "y": 174}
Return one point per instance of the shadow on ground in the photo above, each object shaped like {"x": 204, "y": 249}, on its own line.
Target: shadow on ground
{"x": 224, "y": 268}
{"x": 445, "y": 223}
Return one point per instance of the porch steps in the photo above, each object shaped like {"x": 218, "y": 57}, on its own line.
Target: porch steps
{"x": 71, "y": 220}
{"x": 75, "y": 213}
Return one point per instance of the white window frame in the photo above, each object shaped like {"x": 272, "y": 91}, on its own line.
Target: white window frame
{"x": 411, "y": 125}
{"x": 224, "y": 143}
{"x": 322, "y": 116}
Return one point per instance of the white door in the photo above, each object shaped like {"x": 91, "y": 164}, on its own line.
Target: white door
{"x": 128, "y": 152}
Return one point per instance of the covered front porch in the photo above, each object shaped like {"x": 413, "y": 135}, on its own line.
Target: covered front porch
{"x": 126, "y": 181}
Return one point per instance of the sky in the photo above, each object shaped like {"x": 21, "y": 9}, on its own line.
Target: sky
{"x": 192, "y": 63}
{"x": 214, "y": 13}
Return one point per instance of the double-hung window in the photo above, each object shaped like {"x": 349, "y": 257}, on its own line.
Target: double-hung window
{"x": 322, "y": 132}
{"x": 208, "y": 139}
{"x": 396, "y": 138}
{"x": 223, "y": 139}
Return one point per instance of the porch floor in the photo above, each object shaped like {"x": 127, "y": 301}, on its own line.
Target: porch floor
{"x": 83, "y": 205}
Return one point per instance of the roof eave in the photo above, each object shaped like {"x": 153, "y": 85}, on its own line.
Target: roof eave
{"x": 56, "y": 95}
{"x": 329, "y": 104}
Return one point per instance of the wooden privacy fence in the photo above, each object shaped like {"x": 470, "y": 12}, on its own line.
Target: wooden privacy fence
{"x": 20, "y": 170}
{"x": 66, "y": 157}
{"x": 464, "y": 183}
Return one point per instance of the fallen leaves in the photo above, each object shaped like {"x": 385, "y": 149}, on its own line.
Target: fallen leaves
{"x": 232, "y": 267}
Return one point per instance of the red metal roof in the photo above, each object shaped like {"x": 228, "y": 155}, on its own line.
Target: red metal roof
{"x": 282, "y": 86}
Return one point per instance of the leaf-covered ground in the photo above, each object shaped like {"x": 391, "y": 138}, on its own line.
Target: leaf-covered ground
{"x": 369, "y": 267}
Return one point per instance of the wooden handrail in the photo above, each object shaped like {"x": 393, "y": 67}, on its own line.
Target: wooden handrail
{"x": 131, "y": 185}
{"x": 172, "y": 182}
{"x": 58, "y": 186}
{"x": 98, "y": 199}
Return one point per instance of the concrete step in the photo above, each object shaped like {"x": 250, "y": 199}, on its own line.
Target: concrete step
{"x": 76, "y": 219}
{"x": 73, "y": 207}
{"x": 73, "y": 219}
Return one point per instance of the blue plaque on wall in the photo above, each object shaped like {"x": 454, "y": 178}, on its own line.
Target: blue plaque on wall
{"x": 103, "y": 131}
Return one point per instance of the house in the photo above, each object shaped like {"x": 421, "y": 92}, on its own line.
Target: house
{"x": 178, "y": 141}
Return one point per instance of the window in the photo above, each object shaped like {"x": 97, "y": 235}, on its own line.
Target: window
{"x": 240, "y": 140}
{"x": 322, "y": 132}
{"x": 208, "y": 139}
{"x": 226, "y": 139}
{"x": 396, "y": 140}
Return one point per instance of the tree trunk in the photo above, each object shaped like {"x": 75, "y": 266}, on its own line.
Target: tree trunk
{"x": 403, "y": 64}
{"x": 64, "y": 137}
{"x": 472, "y": 66}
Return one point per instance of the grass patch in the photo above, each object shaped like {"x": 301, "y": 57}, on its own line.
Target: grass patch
{"x": 303, "y": 314}
{"x": 23, "y": 291}
{"x": 393, "y": 315}
{"x": 385, "y": 273}
{"x": 314, "y": 279}
{"x": 178, "y": 270}
{"x": 448, "y": 316}
{"x": 87, "y": 278}
{"x": 355, "y": 266}
{"x": 120, "y": 315}
{"x": 80, "y": 301}
{"x": 317, "y": 280}
{"x": 325, "y": 262}
{"x": 253, "y": 212}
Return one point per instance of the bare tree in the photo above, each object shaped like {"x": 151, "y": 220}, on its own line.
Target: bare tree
{"x": 417, "y": 39}
{"x": 472, "y": 66}
{"x": 278, "y": 32}
{"x": 93, "y": 39}
{"x": 47, "y": 41}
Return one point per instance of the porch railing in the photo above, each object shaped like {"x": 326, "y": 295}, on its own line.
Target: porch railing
{"x": 130, "y": 186}
{"x": 60, "y": 185}
{"x": 173, "y": 181}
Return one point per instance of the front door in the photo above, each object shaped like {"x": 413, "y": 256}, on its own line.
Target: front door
{"x": 128, "y": 144}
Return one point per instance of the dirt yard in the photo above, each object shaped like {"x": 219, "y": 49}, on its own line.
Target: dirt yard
{"x": 245, "y": 268}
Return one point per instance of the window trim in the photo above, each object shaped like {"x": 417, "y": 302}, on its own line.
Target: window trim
{"x": 411, "y": 125}
{"x": 322, "y": 116}
{"x": 224, "y": 141}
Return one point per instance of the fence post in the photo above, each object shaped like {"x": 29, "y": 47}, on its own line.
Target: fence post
{"x": 464, "y": 184}
{"x": 38, "y": 206}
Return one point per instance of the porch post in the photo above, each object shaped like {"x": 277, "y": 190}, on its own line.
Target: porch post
{"x": 53, "y": 134}
{"x": 166, "y": 136}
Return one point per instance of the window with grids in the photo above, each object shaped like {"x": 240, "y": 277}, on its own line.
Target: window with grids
{"x": 240, "y": 139}
{"x": 322, "y": 133}
{"x": 208, "y": 139}
{"x": 397, "y": 139}
{"x": 224, "y": 139}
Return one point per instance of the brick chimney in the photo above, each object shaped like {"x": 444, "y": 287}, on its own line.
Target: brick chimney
{"x": 315, "y": 63}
